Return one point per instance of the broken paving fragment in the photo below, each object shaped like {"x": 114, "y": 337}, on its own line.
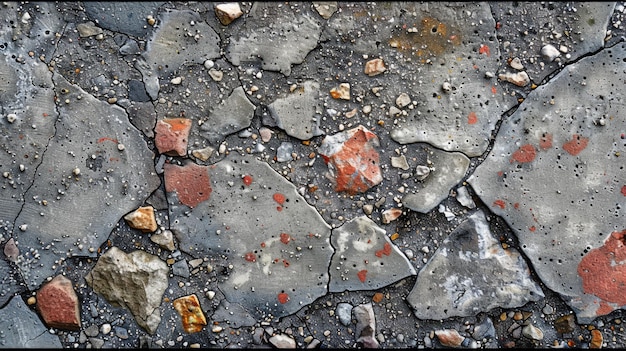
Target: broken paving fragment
{"x": 188, "y": 307}
{"x": 228, "y": 12}
{"x": 22, "y": 328}
{"x": 58, "y": 304}
{"x": 276, "y": 247}
{"x": 190, "y": 183}
{"x": 471, "y": 273}
{"x": 297, "y": 113}
{"x": 566, "y": 200}
{"x": 135, "y": 281}
{"x": 449, "y": 169}
{"x": 172, "y": 135}
{"x": 365, "y": 258}
{"x": 352, "y": 159}
{"x": 84, "y": 184}
{"x": 231, "y": 115}
{"x": 142, "y": 219}
{"x": 365, "y": 325}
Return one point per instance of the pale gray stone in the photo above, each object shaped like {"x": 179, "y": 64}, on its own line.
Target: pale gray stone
{"x": 22, "y": 328}
{"x": 297, "y": 113}
{"x": 344, "y": 312}
{"x": 231, "y": 115}
{"x": 365, "y": 325}
{"x": 282, "y": 341}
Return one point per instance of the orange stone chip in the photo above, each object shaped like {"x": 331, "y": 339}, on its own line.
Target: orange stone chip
{"x": 192, "y": 316}
{"x": 596, "y": 339}
{"x": 142, "y": 219}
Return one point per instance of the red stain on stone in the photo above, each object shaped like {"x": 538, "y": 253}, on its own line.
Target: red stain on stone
{"x": 190, "y": 182}
{"x": 575, "y": 145}
{"x": 279, "y": 198}
{"x": 362, "y": 274}
{"x": 604, "y": 309}
{"x": 283, "y": 298}
{"x": 525, "y": 153}
{"x": 472, "y": 119}
{"x": 494, "y": 90}
{"x": 532, "y": 228}
{"x": 500, "y": 204}
{"x": 58, "y": 304}
{"x": 263, "y": 244}
{"x": 624, "y": 190}
{"x": 603, "y": 270}
{"x": 545, "y": 142}
{"x": 484, "y": 49}
{"x": 250, "y": 257}
{"x": 386, "y": 250}
{"x": 516, "y": 205}
{"x": 247, "y": 180}
{"x": 356, "y": 163}
{"x": 101, "y": 140}
{"x": 285, "y": 263}
{"x": 171, "y": 136}
{"x": 285, "y": 238}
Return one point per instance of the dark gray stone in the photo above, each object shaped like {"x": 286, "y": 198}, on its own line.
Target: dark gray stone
{"x": 125, "y": 17}
{"x": 21, "y": 328}
{"x": 137, "y": 91}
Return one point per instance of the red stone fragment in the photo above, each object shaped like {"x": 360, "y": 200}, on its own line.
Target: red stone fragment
{"x": 603, "y": 270}
{"x": 353, "y": 160}
{"x": 190, "y": 182}
{"x": 575, "y": 145}
{"x": 526, "y": 153}
{"x": 362, "y": 274}
{"x": 171, "y": 135}
{"x": 58, "y": 304}
{"x": 283, "y": 298}
{"x": 250, "y": 257}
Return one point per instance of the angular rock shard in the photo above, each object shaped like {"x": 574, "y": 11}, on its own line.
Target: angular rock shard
{"x": 471, "y": 273}
{"x": 58, "y": 304}
{"x": 135, "y": 281}
{"x": 352, "y": 159}
{"x": 228, "y": 12}
{"x": 172, "y": 135}
{"x": 274, "y": 247}
{"x": 562, "y": 196}
{"x": 188, "y": 307}
{"x": 23, "y": 329}
{"x": 365, "y": 325}
{"x": 142, "y": 219}
{"x": 230, "y": 116}
{"x": 296, "y": 113}
{"x": 365, "y": 258}
{"x": 191, "y": 183}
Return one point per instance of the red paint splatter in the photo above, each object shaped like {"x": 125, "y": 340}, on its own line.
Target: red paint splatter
{"x": 285, "y": 263}
{"x": 624, "y": 190}
{"x": 285, "y": 238}
{"x": 362, "y": 274}
{"x": 484, "y": 49}
{"x": 494, "y": 90}
{"x": 250, "y": 257}
{"x": 603, "y": 270}
{"x": 263, "y": 245}
{"x": 247, "y": 180}
{"x": 280, "y": 198}
{"x": 532, "y": 228}
{"x": 386, "y": 250}
{"x": 604, "y": 309}
{"x": 516, "y": 205}
{"x": 500, "y": 174}
{"x": 107, "y": 139}
{"x": 283, "y": 298}
{"x": 500, "y": 204}
{"x": 525, "y": 153}
{"x": 545, "y": 142}
{"x": 498, "y": 25}
{"x": 279, "y": 208}
{"x": 190, "y": 182}
{"x": 472, "y": 119}
{"x": 575, "y": 145}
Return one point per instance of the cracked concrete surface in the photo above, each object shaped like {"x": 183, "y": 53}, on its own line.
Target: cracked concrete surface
{"x": 495, "y": 216}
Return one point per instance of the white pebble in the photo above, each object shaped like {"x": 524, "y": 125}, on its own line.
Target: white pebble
{"x": 549, "y": 53}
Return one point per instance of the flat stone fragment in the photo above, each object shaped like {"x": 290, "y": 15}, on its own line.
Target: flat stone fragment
{"x": 172, "y": 135}
{"x": 142, "y": 219}
{"x": 188, "y": 307}
{"x": 325, "y": 8}
{"x": 549, "y": 52}
{"x": 296, "y": 113}
{"x": 278, "y": 246}
{"x": 471, "y": 273}
{"x": 191, "y": 183}
{"x": 365, "y": 258}
{"x": 449, "y": 337}
{"x": 344, "y": 312}
{"x": 282, "y": 341}
{"x": 10, "y": 250}
{"x": 135, "y": 281}
{"x": 449, "y": 169}
{"x": 374, "y": 67}
{"x": 520, "y": 79}
{"x": 22, "y": 328}
{"x": 341, "y": 92}
{"x": 164, "y": 239}
{"x": 88, "y": 29}
{"x": 58, "y": 304}
{"x": 230, "y": 116}
{"x": 365, "y": 325}
{"x": 228, "y": 12}
{"x": 399, "y": 162}
{"x": 558, "y": 183}
{"x": 352, "y": 159}
{"x": 125, "y": 17}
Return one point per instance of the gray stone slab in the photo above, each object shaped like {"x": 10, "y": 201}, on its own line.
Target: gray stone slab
{"x": 274, "y": 246}
{"x": 278, "y": 41}
{"x": 126, "y": 17}
{"x": 471, "y": 273}
{"x": 365, "y": 258}
{"x": 9, "y": 283}
{"x": 63, "y": 208}
{"x": 447, "y": 170}
{"x": 21, "y": 328}
{"x": 231, "y": 115}
{"x": 298, "y": 114}
{"x": 556, "y": 176}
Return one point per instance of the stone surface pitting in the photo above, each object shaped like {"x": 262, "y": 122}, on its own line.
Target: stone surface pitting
{"x": 471, "y": 273}
{"x": 135, "y": 281}
{"x": 298, "y": 113}
{"x": 555, "y": 176}
{"x": 22, "y": 328}
{"x": 365, "y": 258}
{"x": 278, "y": 245}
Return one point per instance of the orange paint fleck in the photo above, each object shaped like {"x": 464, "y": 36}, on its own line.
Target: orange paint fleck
{"x": 279, "y": 198}
{"x": 177, "y": 124}
{"x": 386, "y": 250}
{"x": 362, "y": 274}
{"x": 624, "y": 190}
{"x": 545, "y": 142}
{"x": 283, "y": 298}
{"x": 472, "y": 119}
{"x": 532, "y": 228}
{"x": 500, "y": 204}
{"x": 285, "y": 238}
{"x": 516, "y": 205}
{"x": 250, "y": 257}
{"x": 603, "y": 270}
{"x": 494, "y": 90}
{"x": 247, "y": 180}
{"x": 484, "y": 49}
{"x": 107, "y": 139}
{"x": 575, "y": 145}
{"x": 526, "y": 153}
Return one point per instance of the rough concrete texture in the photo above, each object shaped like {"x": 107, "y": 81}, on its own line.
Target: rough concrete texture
{"x": 299, "y": 113}
{"x": 22, "y": 328}
{"x": 471, "y": 273}
{"x": 556, "y": 176}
